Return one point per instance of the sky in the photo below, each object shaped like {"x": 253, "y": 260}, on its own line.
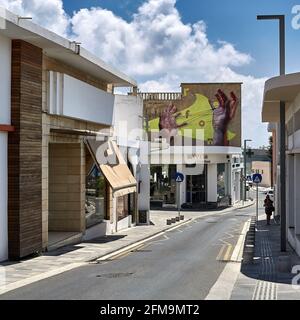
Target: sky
{"x": 162, "y": 43}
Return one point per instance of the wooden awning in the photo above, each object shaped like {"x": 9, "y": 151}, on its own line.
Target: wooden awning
{"x": 116, "y": 170}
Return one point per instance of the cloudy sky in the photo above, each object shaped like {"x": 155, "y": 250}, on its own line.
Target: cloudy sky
{"x": 162, "y": 43}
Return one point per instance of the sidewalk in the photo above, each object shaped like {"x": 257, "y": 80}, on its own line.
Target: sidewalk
{"x": 262, "y": 279}
{"x": 17, "y": 274}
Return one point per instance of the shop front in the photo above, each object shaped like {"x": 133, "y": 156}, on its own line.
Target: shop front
{"x": 205, "y": 185}
{"x": 120, "y": 184}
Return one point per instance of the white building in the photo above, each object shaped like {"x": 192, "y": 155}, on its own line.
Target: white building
{"x": 286, "y": 88}
{"x": 5, "y": 122}
{"x": 128, "y": 122}
{"x": 212, "y": 170}
{"x": 52, "y": 187}
{"x": 209, "y": 183}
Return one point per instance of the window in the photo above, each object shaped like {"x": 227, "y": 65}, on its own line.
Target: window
{"x": 163, "y": 184}
{"x": 95, "y": 197}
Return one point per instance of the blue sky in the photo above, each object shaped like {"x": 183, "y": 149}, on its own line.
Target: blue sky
{"x": 162, "y": 43}
{"x": 231, "y": 20}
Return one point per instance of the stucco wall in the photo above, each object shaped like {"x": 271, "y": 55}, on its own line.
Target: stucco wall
{"x": 127, "y": 117}
{"x": 5, "y": 80}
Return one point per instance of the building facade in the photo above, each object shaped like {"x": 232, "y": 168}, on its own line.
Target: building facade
{"x": 263, "y": 168}
{"x": 286, "y": 88}
{"x": 196, "y": 132}
{"x": 58, "y": 107}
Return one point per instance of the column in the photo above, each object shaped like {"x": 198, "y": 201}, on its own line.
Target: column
{"x": 212, "y": 183}
{"x": 297, "y": 194}
{"x": 290, "y": 192}
{"x": 25, "y": 152}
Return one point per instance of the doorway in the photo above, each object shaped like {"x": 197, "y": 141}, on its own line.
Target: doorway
{"x": 196, "y": 187}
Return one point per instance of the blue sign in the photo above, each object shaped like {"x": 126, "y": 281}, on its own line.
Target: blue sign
{"x": 257, "y": 178}
{"x": 179, "y": 177}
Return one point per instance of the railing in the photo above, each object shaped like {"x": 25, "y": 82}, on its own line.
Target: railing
{"x": 161, "y": 95}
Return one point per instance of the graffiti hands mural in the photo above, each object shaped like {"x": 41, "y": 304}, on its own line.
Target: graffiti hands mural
{"x": 222, "y": 115}
{"x": 215, "y": 108}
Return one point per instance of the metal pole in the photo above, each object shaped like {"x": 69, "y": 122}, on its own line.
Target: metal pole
{"x": 282, "y": 139}
{"x": 191, "y": 189}
{"x": 257, "y": 204}
{"x": 178, "y": 198}
{"x": 245, "y": 171}
{"x": 282, "y": 177}
{"x": 281, "y": 19}
{"x": 282, "y": 44}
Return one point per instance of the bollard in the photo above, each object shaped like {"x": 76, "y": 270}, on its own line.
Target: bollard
{"x": 169, "y": 222}
{"x": 181, "y": 217}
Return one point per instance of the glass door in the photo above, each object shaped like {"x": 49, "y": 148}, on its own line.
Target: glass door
{"x": 196, "y": 187}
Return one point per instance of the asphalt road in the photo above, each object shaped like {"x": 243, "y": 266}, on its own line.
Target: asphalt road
{"x": 182, "y": 264}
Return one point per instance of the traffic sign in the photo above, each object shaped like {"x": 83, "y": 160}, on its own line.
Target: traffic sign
{"x": 257, "y": 178}
{"x": 179, "y": 177}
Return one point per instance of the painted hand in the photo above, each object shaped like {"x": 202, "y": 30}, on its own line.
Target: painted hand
{"x": 167, "y": 120}
{"x": 222, "y": 115}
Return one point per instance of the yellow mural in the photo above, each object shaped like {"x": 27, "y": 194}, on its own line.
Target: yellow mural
{"x": 197, "y": 116}
{"x": 215, "y": 108}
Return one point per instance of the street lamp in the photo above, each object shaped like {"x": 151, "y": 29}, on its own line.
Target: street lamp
{"x": 281, "y": 20}
{"x": 245, "y": 168}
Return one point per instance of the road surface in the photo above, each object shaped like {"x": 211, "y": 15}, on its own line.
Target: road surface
{"x": 181, "y": 264}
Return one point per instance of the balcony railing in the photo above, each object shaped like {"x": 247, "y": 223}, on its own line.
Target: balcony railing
{"x": 171, "y": 96}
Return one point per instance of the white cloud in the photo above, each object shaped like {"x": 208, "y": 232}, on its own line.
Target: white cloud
{"x": 48, "y": 13}
{"x": 156, "y": 48}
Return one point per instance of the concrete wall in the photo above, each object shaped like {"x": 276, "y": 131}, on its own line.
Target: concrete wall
{"x": 127, "y": 118}
{"x": 212, "y": 183}
{"x": 5, "y": 81}
{"x": 293, "y": 174}
{"x": 264, "y": 168}
{"x": 67, "y": 96}
{"x": 128, "y": 125}
{"x": 235, "y": 185}
{"x": 66, "y": 187}
{"x": 59, "y": 122}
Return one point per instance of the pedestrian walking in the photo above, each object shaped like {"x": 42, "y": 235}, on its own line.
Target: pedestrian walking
{"x": 269, "y": 208}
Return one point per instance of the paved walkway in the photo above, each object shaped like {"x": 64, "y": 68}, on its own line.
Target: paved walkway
{"x": 262, "y": 280}
{"x": 14, "y": 274}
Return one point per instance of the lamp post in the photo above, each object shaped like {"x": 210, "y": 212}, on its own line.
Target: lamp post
{"x": 281, "y": 20}
{"x": 245, "y": 167}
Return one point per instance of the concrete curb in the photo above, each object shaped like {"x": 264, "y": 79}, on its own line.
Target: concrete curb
{"x": 249, "y": 246}
{"x": 223, "y": 287}
{"x": 246, "y": 205}
{"x": 45, "y": 275}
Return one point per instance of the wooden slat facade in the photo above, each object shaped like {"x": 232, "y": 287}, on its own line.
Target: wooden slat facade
{"x": 25, "y": 152}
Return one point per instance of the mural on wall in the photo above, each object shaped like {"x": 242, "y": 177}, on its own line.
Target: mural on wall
{"x": 215, "y": 108}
